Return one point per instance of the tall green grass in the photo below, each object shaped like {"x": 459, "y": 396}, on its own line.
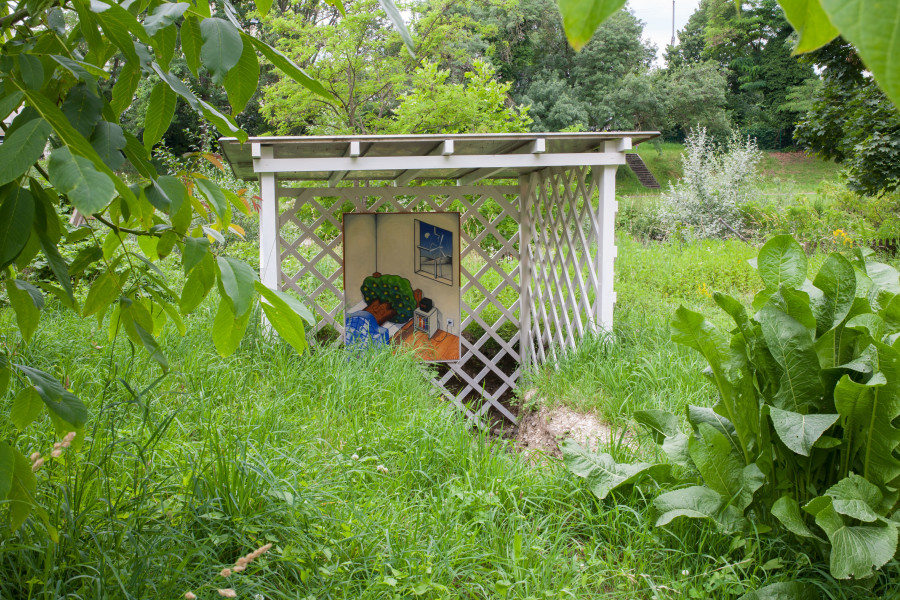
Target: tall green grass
{"x": 366, "y": 483}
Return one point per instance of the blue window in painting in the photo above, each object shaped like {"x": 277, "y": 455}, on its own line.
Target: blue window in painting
{"x": 434, "y": 252}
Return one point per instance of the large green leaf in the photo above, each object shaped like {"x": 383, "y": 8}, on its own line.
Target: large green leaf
{"x": 27, "y": 310}
{"x": 787, "y": 510}
{"x": 222, "y": 47}
{"x": 581, "y": 18}
{"x": 796, "y": 304}
{"x": 881, "y": 438}
{"x": 194, "y": 251}
{"x": 21, "y": 492}
{"x": 104, "y": 291}
{"x": 164, "y": 42}
{"x": 242, "y": 80}
{"x": 289, "y": 68}
{"x": 286, "y": 315}
{"x": 800, "y": 432}
{"x": 22, "y": 148}
{"x": 57, "y": 264}
{"x": 697, "y": 502}
{"x": 660, "y": 423}
{"x": 152, "y": 346}
{"x": 837, "y": 280}
{"x": 16, "y": 218}
{"x": 738, "y": 399}
{"x": 396, "y": 18}
{"x": 216, "y": 200}
{"x": 160, "y": 110}
{"x": 7, "y": 466}
{"x": 82, "y": 108}
{"x": 88, "y": 189}
{"x": 789, "y": 342}
{"x": 164, "y": 15}
{"x": 885, "y": 284}
{"x": 784, "y": 590}
{"x": 809, "y": 20}
{"x": 198, "y": 284}
{"x": 237, "y": 279}
{"x": 58, "y": 399}
{"x": 602, "y": 472}
{"x": 782, "y": 261}
{"x": 123, "y": 90}
{"x": 228, "y": 330}
{"x": 264, "y": 6}
{"x": 722, "y": 468}
{"x": 856, "y": 498}
{"x": 26, "y": 407}
{"x": 191, "y": 41}
{"x": 108, "y": 140}
{"x": 855, "y": 551}
{"x": 873, "y": 27}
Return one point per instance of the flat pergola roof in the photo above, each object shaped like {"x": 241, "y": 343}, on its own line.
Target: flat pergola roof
{"x": 466, "y": 158}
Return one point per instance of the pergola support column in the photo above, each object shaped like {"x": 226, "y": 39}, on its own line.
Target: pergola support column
{"x": 526, "y": 188}
{"x": 269, "y": 254}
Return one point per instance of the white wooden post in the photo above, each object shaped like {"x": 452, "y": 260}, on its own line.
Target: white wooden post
{"x": 525, "y": 203}
{"x": 605, "y": 180}
{"x": 269, "y": 255}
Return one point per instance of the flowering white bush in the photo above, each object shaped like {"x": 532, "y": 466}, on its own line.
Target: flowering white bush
{"x": 718, "y": 179}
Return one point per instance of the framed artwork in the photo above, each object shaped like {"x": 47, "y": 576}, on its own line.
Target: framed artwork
{"x": 401, "y": 282}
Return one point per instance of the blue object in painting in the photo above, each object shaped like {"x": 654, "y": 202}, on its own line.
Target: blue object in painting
{"x": 435, "y": 247}
{"x": 363, "y": 332}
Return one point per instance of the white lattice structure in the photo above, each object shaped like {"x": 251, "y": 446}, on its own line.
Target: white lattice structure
{"x": 536, "y": 258}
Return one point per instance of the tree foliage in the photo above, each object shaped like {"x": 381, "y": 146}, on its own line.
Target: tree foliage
{"x": 753, "y": 48}
{"x": 480, "y": 105}
{"x": 369, "y": 72}
{"x": 852, "y": 121}
{"x": 564, "y": 88}
{"x": 68, "y": 72}
{"x": 870, "y": 25}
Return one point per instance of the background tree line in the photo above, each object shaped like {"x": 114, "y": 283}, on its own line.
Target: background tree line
{"x": 503, "y": 65}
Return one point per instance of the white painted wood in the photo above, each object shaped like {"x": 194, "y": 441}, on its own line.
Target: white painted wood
{"x": 353, "y": 151}
{"x": 269, "y": 256}
{"x": 539, "y": 146}
{"x": 478, "y": 175}
{"x": 525, "y": 258}
{"x": 445, "y": 148}
{"x": 255, "y": 150}
{"x": 606, "y": 247}
{"x": 455, "y": 161}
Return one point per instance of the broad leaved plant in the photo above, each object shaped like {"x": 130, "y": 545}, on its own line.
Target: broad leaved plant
{"x": 804, "y": 436}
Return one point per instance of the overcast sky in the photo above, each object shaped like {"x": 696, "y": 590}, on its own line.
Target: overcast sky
{"x": 657, "y": 18}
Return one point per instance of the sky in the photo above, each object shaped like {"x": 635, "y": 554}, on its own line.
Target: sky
{"x": 657, "y": 18}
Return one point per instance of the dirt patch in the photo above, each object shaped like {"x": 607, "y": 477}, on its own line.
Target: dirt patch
{"x": 541, "y": 431}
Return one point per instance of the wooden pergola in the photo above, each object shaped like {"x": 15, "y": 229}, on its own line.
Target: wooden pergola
{"x": 536, "y": 263}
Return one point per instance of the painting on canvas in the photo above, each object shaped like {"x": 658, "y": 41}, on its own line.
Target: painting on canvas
{"x": 401, "y": 282}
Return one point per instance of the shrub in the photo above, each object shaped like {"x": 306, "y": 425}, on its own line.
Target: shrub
{"x": 803, "y": 438}
{"x": 718, "y": 179}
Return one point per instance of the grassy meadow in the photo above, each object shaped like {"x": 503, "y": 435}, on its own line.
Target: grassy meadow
{"x": 366, "y": 483}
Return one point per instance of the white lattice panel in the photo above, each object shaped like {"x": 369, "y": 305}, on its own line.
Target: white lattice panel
{"x": 570, "y": 292}
{"x": 310, "y": 245}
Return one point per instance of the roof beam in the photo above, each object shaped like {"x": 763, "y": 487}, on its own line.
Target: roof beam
{"x": 445, "y": 148}
{"x": 538, "y": 146}
{"x": 338, "y": 176}
{"x": 459, "y": 162}
{"x": 477, "y": 175}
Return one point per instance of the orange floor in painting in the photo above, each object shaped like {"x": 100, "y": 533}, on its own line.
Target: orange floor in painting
{"x": 442, "y": 346}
